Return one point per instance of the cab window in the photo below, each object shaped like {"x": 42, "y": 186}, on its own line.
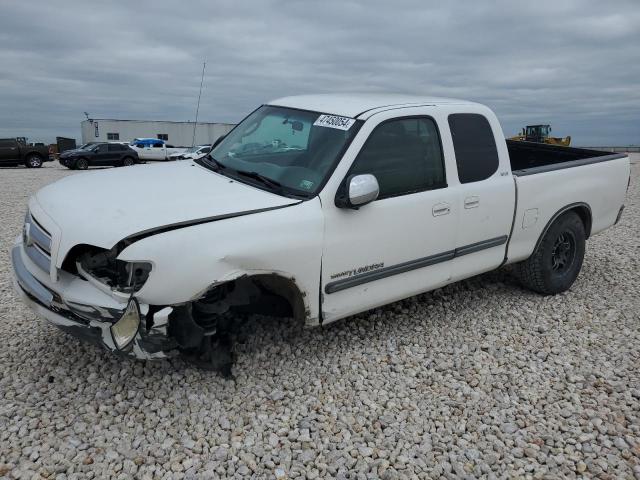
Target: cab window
{"x": 474, "y": 145}
{"x": 405, "y": 156}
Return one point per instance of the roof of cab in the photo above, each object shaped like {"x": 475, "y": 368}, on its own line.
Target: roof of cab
{"x": 355, "y": 104}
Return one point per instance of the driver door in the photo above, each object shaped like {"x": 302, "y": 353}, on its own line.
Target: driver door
{"x": 102, "y": 154}
{"x": 402, "y": 243}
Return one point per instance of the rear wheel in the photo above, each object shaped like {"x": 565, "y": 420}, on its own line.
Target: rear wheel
{"x": 127, "y": 161}
{"x": 82, "y": 164}
{"x": 33, "y": 161}
{"x": 556, "y": 262}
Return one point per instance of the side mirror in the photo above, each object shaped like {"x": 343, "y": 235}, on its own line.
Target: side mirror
{"x": 360, "y": 190}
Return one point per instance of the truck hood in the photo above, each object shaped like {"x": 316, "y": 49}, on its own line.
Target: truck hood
{"x": 101, "y": 208}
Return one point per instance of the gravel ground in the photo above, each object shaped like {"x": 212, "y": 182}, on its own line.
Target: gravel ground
{"x": 478, "y": 379}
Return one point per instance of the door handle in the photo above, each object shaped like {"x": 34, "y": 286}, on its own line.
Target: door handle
{"x": 441, "y": 209}
{"x": 472, "y": 202}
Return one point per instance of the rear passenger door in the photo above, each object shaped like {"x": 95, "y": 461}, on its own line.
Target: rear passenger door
{"x": 402, "y": 243}
{"x": 486, "y": 192}
{"x": 115, "y": 152}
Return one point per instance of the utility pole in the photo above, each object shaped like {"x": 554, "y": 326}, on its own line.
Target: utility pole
{"x": 193, "y": 140}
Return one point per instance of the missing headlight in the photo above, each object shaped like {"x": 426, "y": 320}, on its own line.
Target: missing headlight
{"x": 102, "y": 265}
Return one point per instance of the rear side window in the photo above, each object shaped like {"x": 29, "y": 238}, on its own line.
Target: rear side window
{"x": 474, "y": 145}
{"x": 157, "y": 145}
{"x": 404, "y": 155}
{"x": 114, "y": 148}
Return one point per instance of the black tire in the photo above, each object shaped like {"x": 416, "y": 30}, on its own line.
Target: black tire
{"x": 81, "y": 164}
{"x": 556, "y": 262}
{"x": 33, "y": 160}
{"x": 127, "y": 161}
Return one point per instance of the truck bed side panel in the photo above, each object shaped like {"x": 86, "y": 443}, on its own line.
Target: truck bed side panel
{"x": 601, "y": 186}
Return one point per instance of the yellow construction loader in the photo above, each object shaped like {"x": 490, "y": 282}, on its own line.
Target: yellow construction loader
{"x": 540, "y": 134}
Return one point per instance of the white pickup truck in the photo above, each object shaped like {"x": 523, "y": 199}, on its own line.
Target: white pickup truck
{"x": 314, "y": 207}
{"x": 154, "y": 149}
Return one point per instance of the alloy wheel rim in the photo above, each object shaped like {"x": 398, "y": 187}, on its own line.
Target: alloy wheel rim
{"x": 563, "y": 252}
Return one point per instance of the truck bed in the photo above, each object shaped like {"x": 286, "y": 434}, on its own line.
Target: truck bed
{"x": 528, "y": 158}
{"x": 547, "y": 183}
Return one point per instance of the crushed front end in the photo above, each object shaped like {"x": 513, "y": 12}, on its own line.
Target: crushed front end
{"x": 92, "y": 297}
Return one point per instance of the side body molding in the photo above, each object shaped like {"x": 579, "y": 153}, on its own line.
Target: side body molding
{"x": 343, "y": 284}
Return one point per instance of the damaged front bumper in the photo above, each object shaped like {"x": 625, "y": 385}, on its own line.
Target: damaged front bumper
{"x": 90, "y": 322}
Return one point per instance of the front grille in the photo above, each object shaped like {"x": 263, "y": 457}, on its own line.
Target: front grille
{"x": 37, "y": 243}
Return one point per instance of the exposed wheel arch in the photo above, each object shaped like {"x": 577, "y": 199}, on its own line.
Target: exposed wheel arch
{"x": 265, "y": 293}
{"x": 287, "y": 289}
{"x": 266, "y": 284}
{"x": 203, "y": 329}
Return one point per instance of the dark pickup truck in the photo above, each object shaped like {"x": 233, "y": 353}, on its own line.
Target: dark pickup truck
{"x": 13, "y": 152}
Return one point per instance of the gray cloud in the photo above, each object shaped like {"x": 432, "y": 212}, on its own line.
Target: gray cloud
{"x": 574, "y": 64}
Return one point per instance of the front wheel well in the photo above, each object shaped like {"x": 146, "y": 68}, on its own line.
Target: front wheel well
{"x": 286, "y": 289}
{"x": 266, "y": 294}
{"x": 204, "y": 328}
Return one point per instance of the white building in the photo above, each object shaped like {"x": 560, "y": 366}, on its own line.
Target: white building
{"x": 179, "y": 134}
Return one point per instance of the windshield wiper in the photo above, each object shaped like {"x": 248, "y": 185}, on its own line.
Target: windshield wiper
{"x": 262, "y": 179}
{"x": 211, "y": 163}
{"x": 218, "y": 164}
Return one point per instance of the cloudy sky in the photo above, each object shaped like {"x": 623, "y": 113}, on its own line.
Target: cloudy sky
{"x": 572, "y": 63}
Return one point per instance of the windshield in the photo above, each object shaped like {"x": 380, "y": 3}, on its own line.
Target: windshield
{"x": 285, "y": 149}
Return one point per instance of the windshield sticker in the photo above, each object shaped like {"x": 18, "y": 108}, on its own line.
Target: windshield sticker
{"x": 334, "y": 121}
{"x": 306, "y": 184}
